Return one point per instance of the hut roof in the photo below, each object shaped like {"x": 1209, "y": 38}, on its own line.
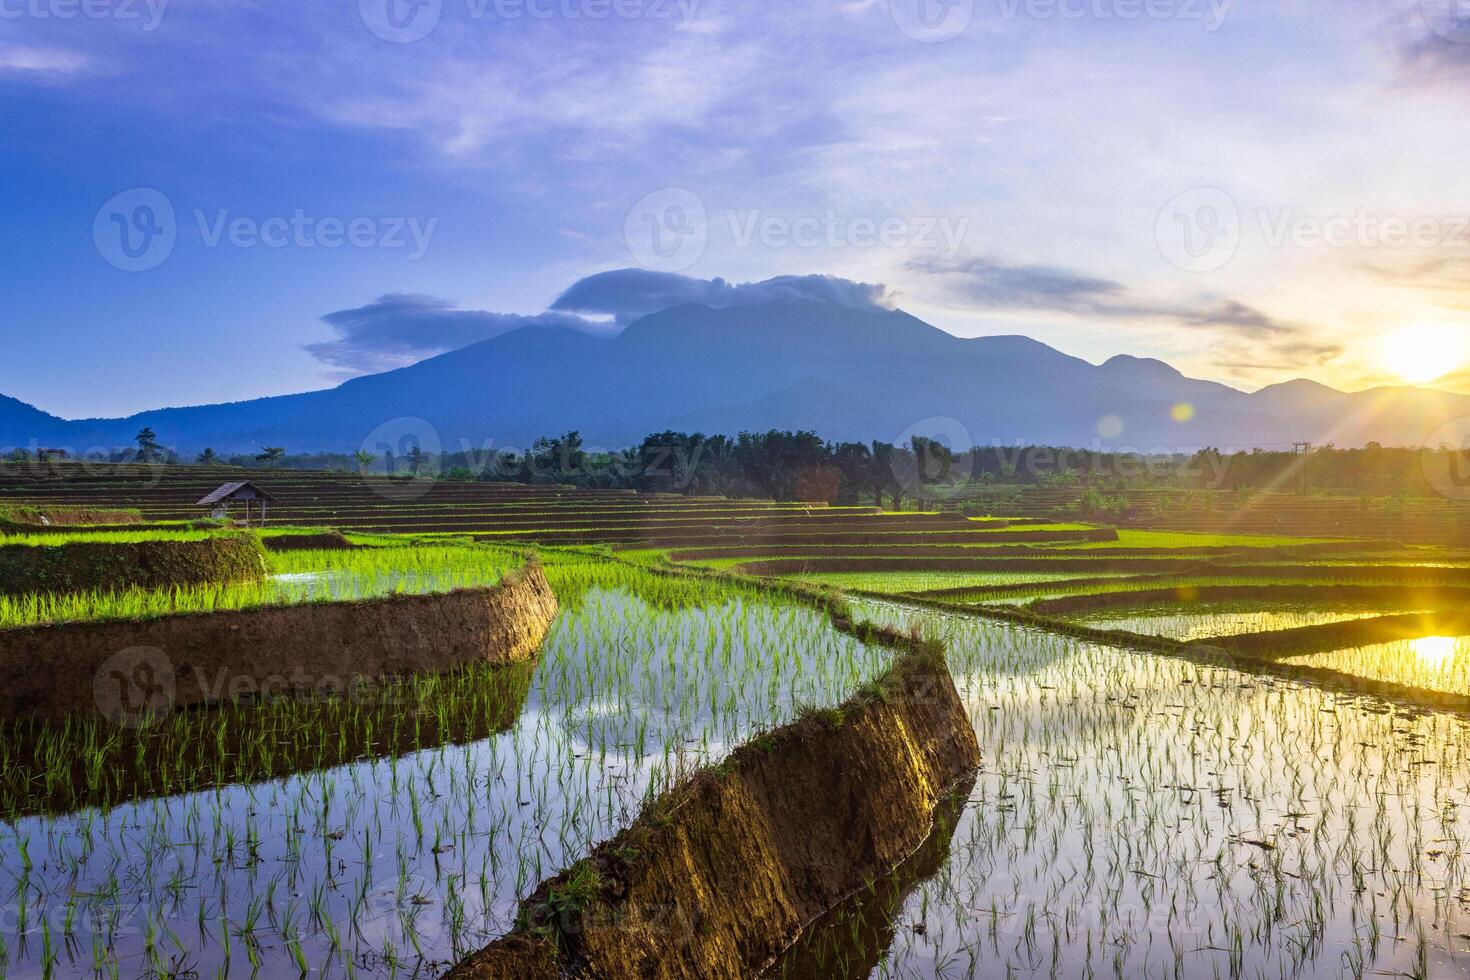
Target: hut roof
{"x": 231, "y": 491}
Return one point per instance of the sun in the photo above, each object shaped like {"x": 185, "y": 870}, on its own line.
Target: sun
{"x": 1426, "y": 352}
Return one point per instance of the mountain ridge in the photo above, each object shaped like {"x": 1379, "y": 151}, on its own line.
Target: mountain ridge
{"x": 848, "y": 373}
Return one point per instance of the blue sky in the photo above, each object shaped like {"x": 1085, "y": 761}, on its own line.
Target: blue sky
{"x": 1253, "y": 191}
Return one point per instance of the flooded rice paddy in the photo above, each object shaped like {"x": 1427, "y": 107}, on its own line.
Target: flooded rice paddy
{"x": 1438, "y": 663}
{"x": 1135, "y": 815}
{"x": 1140, "y": 815}
{"x": 1205, "y": 624}
{"x": 399, "y": 864}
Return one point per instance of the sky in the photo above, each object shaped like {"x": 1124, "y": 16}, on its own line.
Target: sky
{"x": 215, "y": 200}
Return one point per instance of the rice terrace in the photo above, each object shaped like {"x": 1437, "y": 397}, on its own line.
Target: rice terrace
{"x": 501, "y": 730}
{"x": 734, "y": 490}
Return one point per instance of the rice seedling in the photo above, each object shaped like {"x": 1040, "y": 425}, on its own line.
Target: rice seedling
{"x": 1141, "y": 816}
{"x": 413, "y": 826}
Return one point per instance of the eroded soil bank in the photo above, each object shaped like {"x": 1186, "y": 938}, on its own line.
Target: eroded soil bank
{"x": 125, "y": 669}
{"x": 718, "y": 877}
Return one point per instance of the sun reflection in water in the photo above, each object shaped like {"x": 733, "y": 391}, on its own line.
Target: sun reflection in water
{"x": 1434, "y": 652}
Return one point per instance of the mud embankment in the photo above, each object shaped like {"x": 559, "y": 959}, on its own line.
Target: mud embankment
{"x": 723, "y": 873}
{"x": 130, "y": 667}
{"x": 84, "y": 566}
{"x": 1304, "y": 640}
{"x": 1383, "y": 574}
{"x": 1368, "y": 596}
{"x": 325, "y": 541}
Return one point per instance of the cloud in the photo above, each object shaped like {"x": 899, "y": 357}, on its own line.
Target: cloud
{"x": 628, "y": 294}
{"x": 42, "y": 61}
{"x": 1430, "y": 44}
{"x": 399, "y": 329}
{"x": 991, "y": 284}
{"x": 1446, "y": 269}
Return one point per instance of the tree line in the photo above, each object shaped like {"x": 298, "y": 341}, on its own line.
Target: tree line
{"x": 800, "y": 465}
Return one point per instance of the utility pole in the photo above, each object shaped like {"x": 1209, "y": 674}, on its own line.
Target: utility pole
{"x": 1301, "y": 450}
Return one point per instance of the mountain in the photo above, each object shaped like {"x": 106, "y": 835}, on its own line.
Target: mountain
{"x": 850, "y": 374}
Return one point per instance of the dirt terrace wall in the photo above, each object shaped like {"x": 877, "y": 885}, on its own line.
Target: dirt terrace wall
{"x": 1399, "y": 574}
{"x": 30, "y": 518}
{"x": 717, "y": 878}
{"x": 1410, "y": 597}
{"x": 325, "y": 541}
{"x": 1338, "y": 636}
{"x": 122, "y": 669}
{"x": 82, "y": 566}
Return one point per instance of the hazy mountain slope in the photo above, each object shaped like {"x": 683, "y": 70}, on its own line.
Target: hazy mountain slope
{"x": 849, "y": 374}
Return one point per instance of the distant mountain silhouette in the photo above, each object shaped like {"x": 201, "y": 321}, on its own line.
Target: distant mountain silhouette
{"x": 850, "y": 374}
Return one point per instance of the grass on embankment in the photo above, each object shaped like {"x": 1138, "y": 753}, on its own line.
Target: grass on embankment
{"x": 296, "y": 577}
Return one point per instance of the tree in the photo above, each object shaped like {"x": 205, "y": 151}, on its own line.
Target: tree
{"x": 148, "y": 448}
{"x": 271, "y": 455}
{"x": 364, "y": 460}
{"x": 209, "y": 458}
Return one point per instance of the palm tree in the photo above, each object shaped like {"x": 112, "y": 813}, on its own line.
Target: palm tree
{"x": 271, "y": 455}
{"x": 364, "y": 460}
{"x": 147, "y": 441}
{"x": 209, "y": 458}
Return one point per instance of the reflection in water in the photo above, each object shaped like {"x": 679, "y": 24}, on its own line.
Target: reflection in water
{"x": 1435, "y": 652}
{"x": 1434, "y": 663}
{"x": 275, "y": 860}
{"x": 1148, "y": 816}
{"x": 848, "y": 942}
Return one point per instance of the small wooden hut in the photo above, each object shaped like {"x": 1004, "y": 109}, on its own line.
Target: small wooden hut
{"x": 245, "y": 493}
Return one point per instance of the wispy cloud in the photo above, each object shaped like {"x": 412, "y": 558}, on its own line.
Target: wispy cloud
{"x": 42, "y": 61}
{"x": 627, "y": 294}
{"x": 399, "y": 329}
{"x": 992, "y": 284}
